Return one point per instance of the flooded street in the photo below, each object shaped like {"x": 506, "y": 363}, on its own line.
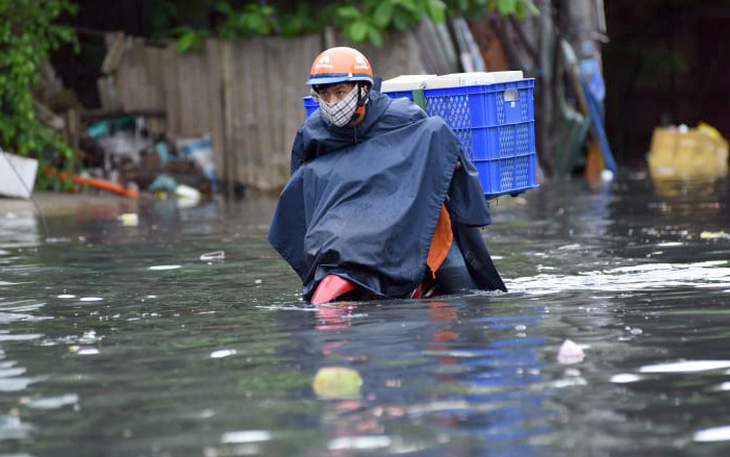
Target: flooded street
{"x": 118, "y": 339}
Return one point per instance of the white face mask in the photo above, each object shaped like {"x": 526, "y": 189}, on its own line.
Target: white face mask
{"x": 341, "y": 112}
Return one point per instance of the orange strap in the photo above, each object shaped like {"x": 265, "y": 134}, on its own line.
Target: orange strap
{"x": 441, "y": 242}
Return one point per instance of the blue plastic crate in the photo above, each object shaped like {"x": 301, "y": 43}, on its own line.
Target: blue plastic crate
{"x": 507, "y": 176}
{"x": 495, "y": 124}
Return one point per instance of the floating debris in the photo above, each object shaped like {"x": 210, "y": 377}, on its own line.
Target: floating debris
{"x": 706, "y": 235}
{"x": 707, "y": 435}
{"x": 688, "y": 366}
{"x": 359, "y": 443}
{"x": 51, "y": 402}
{"x": 222, "y": 353}
{"x": 215, "y": 255}
{"x": 129, "y": 219}
{"x": 570, "y": 353}
{"x": 164, "y": 267}
{"x": 245, "y": 436}
{"x": 83, "y": 350}
{"x": 624, "y": 378}
{"x": 337, "y": 383}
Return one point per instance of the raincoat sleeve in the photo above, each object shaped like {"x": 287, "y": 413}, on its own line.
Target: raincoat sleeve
{"x": 465, "y": 200}
{"x": 291, "y": 226}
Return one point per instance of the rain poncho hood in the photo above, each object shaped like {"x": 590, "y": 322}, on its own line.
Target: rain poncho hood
{"x": 363, "y": 202}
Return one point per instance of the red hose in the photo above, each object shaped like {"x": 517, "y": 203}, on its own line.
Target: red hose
{"x": 98, "y": 183}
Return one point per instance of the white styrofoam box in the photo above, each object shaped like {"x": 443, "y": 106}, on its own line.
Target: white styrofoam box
{"x": 473, "y": 78}
{"x": 405, "y": 82}
{"x": 506, "y": 76}
{"x": 443, "y": 81}
{"x": 17, "y": 175}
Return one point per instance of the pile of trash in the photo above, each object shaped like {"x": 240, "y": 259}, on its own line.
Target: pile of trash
{"x": 117, "y": 150}
{"x": 122, "y": 150}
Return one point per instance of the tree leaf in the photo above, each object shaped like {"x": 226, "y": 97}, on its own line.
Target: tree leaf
{"x": 409, "y": 5}
{"x": 506, "y": 7}
{"x": 192, "y": 40}
{"x": 348, "y": 12}
{"x": 520, "y": 10}
{"x": 401, "y": 19}
{"x": 436, "y": 10}
{"x": 530, "y": 7}
{"x": 358, "y": 30}
{"x": 375, "y": 36}
{"x": 226, "y": 9}
{"x": 383, "y": 14}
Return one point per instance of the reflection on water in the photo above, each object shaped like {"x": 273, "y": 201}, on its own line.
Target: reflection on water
{"x": 17, "y": 231}
{"x": 126, "y": 339}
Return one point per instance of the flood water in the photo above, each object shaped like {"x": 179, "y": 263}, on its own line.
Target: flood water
{"x": 118, "y": 340}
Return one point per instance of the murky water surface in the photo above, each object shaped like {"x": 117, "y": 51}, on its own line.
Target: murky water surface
{"x": 119, "y": 340}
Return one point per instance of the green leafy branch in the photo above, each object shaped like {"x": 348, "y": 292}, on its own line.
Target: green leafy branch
{"x": 28, "y": 32}
{"x": 519, "y": 8}
{"x": 360, "y": 21}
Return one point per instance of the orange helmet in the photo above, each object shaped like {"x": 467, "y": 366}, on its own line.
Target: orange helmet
{"x": 340, "y": 64}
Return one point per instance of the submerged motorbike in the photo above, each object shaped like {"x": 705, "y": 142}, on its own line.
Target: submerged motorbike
{"x": 467, "y": 266}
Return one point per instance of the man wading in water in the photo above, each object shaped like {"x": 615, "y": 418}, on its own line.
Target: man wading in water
{"x": 381, "y": 202}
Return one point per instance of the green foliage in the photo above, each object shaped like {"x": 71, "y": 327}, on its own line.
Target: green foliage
{"x": 519, "y": 8}
{"x": 359, "y": 21}
{"x": 28, "y": 32}
{"x": 189, "y": 39}
{"x": 367, "y": 20}
{"x": 300, "y": 20}
{"x": 254, "y": 19}
{"x": 371, "y": 18}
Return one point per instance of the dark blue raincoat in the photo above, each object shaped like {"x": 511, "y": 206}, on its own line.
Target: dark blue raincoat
{"x": 363, "y": 202}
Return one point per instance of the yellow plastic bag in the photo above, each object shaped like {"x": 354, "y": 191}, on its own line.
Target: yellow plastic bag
{"x": 680, "y": 152}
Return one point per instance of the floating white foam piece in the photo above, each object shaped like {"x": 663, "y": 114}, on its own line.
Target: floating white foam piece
{"x": 689, "y": 366}
{"x": 215, "y": 255}
{"x": 246, "y": 436}
{"x": 624, "y": 378}
{"x": 164, "y": 267}
{"x": 359, "y": 442}
{"x": 570, "y": 353}
{"x": 222, "y": 353}
{"x": 53, "y": 402}
{"x": 707, "y": 435}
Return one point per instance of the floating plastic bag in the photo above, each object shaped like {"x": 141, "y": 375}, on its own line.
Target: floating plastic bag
{"x": 570, "y": 353}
